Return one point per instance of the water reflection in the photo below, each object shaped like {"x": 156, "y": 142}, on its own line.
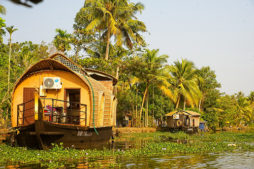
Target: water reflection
{"x": 224, "y": 161}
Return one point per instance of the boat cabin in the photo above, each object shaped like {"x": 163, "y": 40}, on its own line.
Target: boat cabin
{"x": 183, "y": 120}
{"x": 68, "y": 95}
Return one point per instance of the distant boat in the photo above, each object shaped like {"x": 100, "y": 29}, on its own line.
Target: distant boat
{"x": 183, "y": 120}
{"x": 56, "y": 101}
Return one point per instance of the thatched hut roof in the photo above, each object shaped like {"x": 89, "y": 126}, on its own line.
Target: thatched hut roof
{"x": 186, "y": 112}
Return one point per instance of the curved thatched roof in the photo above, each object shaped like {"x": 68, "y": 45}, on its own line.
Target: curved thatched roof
{"x": 46, "y": 64}
{"x": 186, "y": 112}
{"x": 87, "y": 71}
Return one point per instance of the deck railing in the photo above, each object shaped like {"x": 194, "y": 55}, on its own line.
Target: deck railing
{"x": 65, "y": 112}
{"x": 25, "y": 113}
{"x": 54, "y": 110}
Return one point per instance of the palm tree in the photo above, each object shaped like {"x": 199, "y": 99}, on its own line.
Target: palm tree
{"x": 251, "y": 97}
{"x": 62, "y": 40}
{"x": 10, "y": 30}
{"x": 114, "y": 18}
{"x": 184, "y": 80}
{"x": 150, "y": 69}
{"x": 244, "y": 111}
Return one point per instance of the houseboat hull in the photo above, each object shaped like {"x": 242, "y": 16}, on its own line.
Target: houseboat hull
{"x": 43, "y": 134}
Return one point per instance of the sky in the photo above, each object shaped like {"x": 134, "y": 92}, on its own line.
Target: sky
{"x": 215, "y": 33}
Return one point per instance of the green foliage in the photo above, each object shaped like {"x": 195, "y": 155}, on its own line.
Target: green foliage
{"x": 157, "y": 144}
{"x": 23, "y": 56}
{"x": 62, "y": 40}
{"x": 2, "y": 23}
{"x": 184, "y": 81}
{"x": 99, "y": 20}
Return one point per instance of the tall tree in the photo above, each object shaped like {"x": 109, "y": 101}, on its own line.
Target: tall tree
{"x": 107, "y": 18}
{"x": 149, "y": 67}
{"x": 206, "y": 82}
{"x": 62, "y": 40}
{"x": 184, "y": 80}
{"x": 244, "y": 111}
{"x": 10, "y": 30}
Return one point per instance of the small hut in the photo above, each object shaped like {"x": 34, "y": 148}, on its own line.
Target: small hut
{"x": 56, "y": 100}
{"x": 184, "y": 120}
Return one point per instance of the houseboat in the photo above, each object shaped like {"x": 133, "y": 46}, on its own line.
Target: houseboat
{"x": 183, "y": 120}
{"x": 58, "y": 101}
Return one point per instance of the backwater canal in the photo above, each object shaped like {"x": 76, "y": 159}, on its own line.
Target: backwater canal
{"x": 239, "y": 158}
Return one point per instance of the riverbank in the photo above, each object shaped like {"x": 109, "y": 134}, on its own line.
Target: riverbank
{"x": 124, "y": 130}
{"x": 153, "y": 144}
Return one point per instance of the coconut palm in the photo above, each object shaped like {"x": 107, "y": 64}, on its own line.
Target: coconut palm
{"x": 114, "y": 18}
{"x": 243, "y": 109}
{"x": 184, "y": 80}
{"x": 251, "y": 97}
{"x": 62, "y": 40}
{"x": 10, "y": 30}
{"x": 150, "y": 69}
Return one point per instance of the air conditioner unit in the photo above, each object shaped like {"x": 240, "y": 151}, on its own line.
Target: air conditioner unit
{"x": 52, "y": 83}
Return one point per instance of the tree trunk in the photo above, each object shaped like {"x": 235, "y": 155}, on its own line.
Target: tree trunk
{"x": 153, "y": 107}
{"x": 108, "y": 42}
{"x": 117, "y": 72}
{"x": 178, "y": 101}
{"x": 9, "y": 75}
{"x": 184, "y": 103}
{"x": 142, "y": 105}
{"x": 147, "y": 106}
{"x": 9, "y": 66}
{"x": 136, "y": 108}
{"x": 199, "y": 105}
{"x": 115, "y": 87}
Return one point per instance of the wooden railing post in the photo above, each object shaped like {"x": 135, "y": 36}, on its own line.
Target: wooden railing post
{"x": 86, "y": 115}
{"x": 18, "y": 115}
{"x": 52, "y": 114}
{"x": 23, "y": 117}
{"x": 36, "y": 106}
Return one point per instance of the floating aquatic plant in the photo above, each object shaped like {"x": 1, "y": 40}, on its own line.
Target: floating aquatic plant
{"x": 160, "y": 143}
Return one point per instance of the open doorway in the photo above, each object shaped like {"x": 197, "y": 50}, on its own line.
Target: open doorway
{"x": 72, "y": 105}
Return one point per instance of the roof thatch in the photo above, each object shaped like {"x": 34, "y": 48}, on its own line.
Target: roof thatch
{"x": 186, "y": 112}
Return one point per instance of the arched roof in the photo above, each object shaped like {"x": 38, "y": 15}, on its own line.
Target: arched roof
{"x": 90, "y": 72}
{"x": 46, "y": 64}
